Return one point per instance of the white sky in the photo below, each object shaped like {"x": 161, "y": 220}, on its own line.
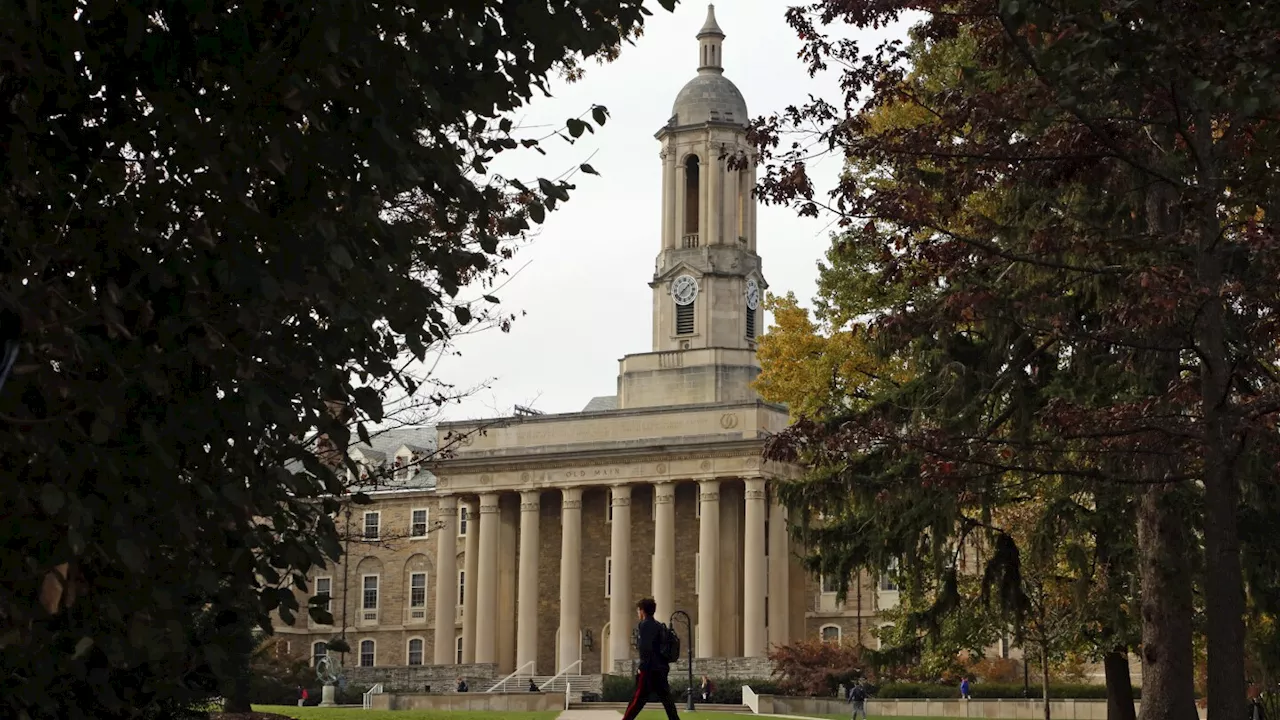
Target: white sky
{"x": 585, "y": 287}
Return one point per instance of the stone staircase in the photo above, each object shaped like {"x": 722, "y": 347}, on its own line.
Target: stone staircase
{"x": 578, "y": 684}
{"x": 702, "y": 707}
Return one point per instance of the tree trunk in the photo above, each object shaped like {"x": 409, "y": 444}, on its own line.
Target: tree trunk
{"x": 1224, "y": 576}
{"x": 1044, "y": 678}
{"x": 1119, "y": 685}
{"x": 1167, "y": 669}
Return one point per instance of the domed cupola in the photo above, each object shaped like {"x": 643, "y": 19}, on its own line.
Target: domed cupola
{"x": 709, "y": 96}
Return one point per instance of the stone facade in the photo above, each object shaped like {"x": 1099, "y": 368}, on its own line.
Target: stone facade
{"x": 440, "y": 678}
{"x": 659, "y": 490}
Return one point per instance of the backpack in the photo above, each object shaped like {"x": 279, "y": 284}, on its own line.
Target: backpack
{"x": 668, "y": 643}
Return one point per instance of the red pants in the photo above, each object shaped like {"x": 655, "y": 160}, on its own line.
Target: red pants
{"x": 650, "y": 682}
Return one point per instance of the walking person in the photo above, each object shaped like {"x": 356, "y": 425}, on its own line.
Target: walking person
{"x": 964, "y": 688}
{"x": 858, "y": 699}
{"x": 652, "y": 678}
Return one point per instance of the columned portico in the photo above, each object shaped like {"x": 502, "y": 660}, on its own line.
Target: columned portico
{"x": 527, "y": 597}
{"x": 446, "y": 571}
{"x": 664, "y": 548}
{"x": 487, "y": 581}
{"x": 471, "y": 573}
{"x": 754, "y": 589}
{"x": 621, "y": 604}
{"x": 570, "y": 577}
{"x": 779, "y": 582}
{"x": 708, "y": 584}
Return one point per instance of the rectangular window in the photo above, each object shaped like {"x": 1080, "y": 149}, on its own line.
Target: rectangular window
{"x": 889, "y": 578}
{"x": 418, "y": 524}
{"x": 830, "y": 584}
{"x": 418, "y": 590}
{"x": 462, "y": 587}
{"x": 684, "y": 319}
{"x": 370, "y": 599}
{"x": 372, "y": 522}
{"x": 608, "y": 577}
{"x": 324, "y": 587}
{"x": 457, "y": 650}
{"x": 462, "y": 521}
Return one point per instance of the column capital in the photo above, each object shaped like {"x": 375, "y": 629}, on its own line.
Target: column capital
{"x": 571, "y": 498}
{"x": 489, "y": 503}
{"x": 709, "y": 484}
{"x": 755, "y": 488}
{"x": 664, "y": 492}
{"x": 530, "y": 500}
{"x": 620, "y": 496}
{"x": 447, "y": 502}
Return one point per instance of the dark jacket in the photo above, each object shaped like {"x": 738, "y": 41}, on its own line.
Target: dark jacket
{"x": 649, "y": 634}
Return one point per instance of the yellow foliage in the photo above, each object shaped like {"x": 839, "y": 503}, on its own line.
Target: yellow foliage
{"x": 812, "y": 371}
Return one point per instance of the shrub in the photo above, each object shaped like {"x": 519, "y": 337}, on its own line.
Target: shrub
{"x": 996, "y": 670}
{"x": 816, "y": 668}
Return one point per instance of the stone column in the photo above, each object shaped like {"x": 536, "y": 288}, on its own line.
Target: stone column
{"x": 527, "y": 592}
{"x": 715, "y": 196}
{"x": 622, "y": 612}
{"x": 753, "y": 580}
{"x": 704, "y": 177}
{"x": 570, "y": 577}
{"x": 751, "y": 211}
{"x": 779, "y": 583}
{"x": 446, "y": 579}
{"x": 708, "y": 562}
{"x": 678, "y": 221}
{"x": 668, "y": 177}
{"x": 471, "y": 567}
{"x": 486, "y": 584}
{"x": 664, "y": 548}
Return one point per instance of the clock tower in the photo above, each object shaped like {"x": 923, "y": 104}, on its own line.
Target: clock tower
{"x": 707, "y": 284}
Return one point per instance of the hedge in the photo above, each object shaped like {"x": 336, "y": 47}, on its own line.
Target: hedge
{"x": 1079, "y": 691}
{"x": 728, "y": 691}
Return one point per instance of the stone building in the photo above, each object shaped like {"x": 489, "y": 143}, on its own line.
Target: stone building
{"x": 540, "y": 532}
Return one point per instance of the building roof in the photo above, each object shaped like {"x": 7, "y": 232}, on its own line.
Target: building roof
{"x": 711, "y": 27}
{"x": 601, "y": 403}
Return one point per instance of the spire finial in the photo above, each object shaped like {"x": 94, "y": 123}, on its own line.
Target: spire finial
{"x": 710, "y": 27}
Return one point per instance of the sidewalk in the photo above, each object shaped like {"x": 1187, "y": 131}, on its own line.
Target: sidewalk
{"x": 589, "y": 715}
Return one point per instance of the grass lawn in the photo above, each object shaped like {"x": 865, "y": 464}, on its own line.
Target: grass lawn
{"x": 319, "y": 713}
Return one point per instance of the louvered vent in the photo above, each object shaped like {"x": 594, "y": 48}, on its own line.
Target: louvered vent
{"x": 684, "y": 319}
{"x": 751, "y": 324}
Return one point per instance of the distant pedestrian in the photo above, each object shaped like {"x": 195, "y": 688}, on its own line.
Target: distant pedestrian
{"x": 533, "y": 686}
{"x": 706, "y": 689}
{"x": 303, "y": 696}
{"x": 858, "y": 700}
{"x": 462, "y": 685}
{"x": 964, "y": 688}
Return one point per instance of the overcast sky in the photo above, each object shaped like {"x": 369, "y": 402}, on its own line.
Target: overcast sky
{"x": 584, "y": 283}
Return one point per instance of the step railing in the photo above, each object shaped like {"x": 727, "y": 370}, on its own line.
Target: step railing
{"x": 751, "y": 699}
{"x": 517, "y": 675}
{"x": 368, "y": 696}
{"x": 563, "y": 673}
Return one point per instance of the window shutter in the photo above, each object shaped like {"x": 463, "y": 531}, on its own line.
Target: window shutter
{"x": 684, "y": 319}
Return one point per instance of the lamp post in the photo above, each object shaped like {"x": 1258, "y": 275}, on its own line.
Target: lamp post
{"x": 688, "y": 627}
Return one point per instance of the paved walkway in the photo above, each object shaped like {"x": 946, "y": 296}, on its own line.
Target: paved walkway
{"x": 589, "y": 715}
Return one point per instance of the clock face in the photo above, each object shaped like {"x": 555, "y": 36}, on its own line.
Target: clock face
{"x": 753, "y": 294}
{"x": 684, "y": 289}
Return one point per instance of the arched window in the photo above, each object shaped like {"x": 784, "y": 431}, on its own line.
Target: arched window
{"x": 457, "y": 650}
{"x": 366, "y": 653}
{"x": 830, "y": 633}
{"x": 744, "y": 204}
{"x": 318, "y": 650}
{"x": 691, "y": 198}
{"x": 415, "y": 651}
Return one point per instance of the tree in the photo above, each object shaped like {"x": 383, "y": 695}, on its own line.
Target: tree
{"x": 1159, "y": 104}
{"x": 227, "y": 231}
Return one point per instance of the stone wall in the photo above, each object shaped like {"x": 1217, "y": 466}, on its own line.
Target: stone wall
{"x": 718, "y": 668}
{"x": 441, "y": 678}
{"x": 482, "y": 702}
{"x": 1002, "y": 709}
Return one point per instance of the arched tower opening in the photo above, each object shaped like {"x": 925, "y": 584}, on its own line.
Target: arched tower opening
{"x": 691, "y": 197}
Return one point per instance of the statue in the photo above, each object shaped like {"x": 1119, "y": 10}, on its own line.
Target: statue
{"x": 328, "y": 672}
